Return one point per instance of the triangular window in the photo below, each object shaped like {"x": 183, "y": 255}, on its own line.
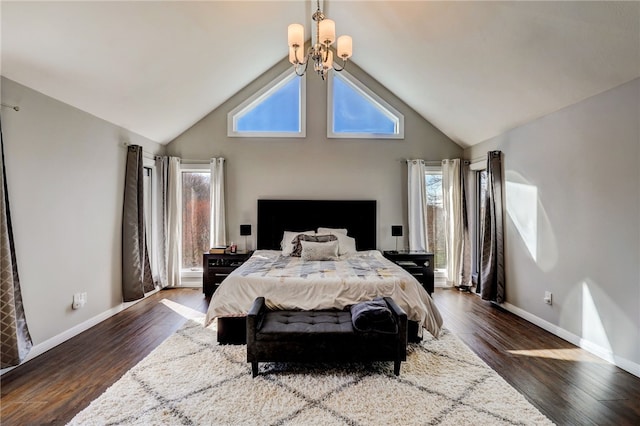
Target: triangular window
{"x": 275, "y": 111}
{"x": 356, "y": 112}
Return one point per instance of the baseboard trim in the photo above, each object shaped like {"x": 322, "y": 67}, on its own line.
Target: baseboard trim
{"x": 56, "y": 340}
{"x": 588, "y": 346}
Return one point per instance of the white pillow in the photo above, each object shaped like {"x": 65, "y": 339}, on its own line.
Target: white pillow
{"x": 346, "y": 245}
{"x": 332, "y": 231}
{"x": 288, "y": 243}
{"x": 319, "y": 251}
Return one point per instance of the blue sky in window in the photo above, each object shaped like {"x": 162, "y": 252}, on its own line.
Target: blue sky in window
{"x": 279, "y": 112}
{"x": 352, "y": 113}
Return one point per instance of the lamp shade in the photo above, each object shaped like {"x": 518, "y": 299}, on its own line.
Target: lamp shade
{"x": 327, "y": 29}
{"x": 396, "y": 230}
{"x": 245, "y": 230}
{"x": 345, "y": 46}
{"x": 296, "y": 35}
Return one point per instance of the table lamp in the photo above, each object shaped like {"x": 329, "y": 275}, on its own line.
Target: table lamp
{"x": 396, "y": 231}
{"x": 244, "y": 231}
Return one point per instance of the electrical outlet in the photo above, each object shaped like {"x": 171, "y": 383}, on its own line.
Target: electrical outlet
{"x": 548, "y": 297}
{"x": 79, "y": 300}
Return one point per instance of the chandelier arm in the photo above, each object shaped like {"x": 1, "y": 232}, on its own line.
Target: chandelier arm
{"x": 296, "y": 49}
{"x": 306, "y": 65}
{"x": 344, "y": 65}
{"x": 325, "y": 53}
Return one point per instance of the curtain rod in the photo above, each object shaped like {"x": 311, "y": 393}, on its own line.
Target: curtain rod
{"x": 13, "y": 107}
{"x": 144, "y": 153}
{"x": 192, "y": 161}
{"x": 182, "y": 160}
{"x": 432, "y": 162}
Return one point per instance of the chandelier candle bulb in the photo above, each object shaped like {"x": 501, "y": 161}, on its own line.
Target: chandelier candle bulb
{"x": 296, "y": 35}
{"x": 327, "y": 30}
{"x": 345, "y": 46}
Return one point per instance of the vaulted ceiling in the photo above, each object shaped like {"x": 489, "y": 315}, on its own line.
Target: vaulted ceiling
{"x": 473, "y": 69}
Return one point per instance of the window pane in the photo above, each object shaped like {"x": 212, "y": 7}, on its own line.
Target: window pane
{"x": 148, "y": 205}
{"x": 435, "y": 219}
{"x": 481, "y": 192}
{"x": 354, "y": 113}
{"x": 278, "y": 112}
{"x": 195, "y": 218}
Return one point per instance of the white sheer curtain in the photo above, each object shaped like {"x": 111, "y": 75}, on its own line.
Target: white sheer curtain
{"x": 159, "y": 230}
{"x": 218, "y": 233}
{"x": 174, "y": 222}
{"x": 453, "y": 219}
{"x": 417, "y": 205}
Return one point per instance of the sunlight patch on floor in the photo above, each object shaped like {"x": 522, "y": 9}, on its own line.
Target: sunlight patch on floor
{"x": 185, "y": 311}
{"x": 571, "y": 354}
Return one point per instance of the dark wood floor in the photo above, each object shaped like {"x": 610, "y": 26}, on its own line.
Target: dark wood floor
{"x": 567, "y": 384}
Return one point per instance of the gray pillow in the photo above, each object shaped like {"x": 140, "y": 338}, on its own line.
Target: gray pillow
{"x": 319, "y": 251}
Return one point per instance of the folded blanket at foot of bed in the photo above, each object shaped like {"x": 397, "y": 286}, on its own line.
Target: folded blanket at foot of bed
{"x": 373, "y": 315}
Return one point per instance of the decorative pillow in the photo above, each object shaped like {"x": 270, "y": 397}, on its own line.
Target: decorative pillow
{"x": 373, "y": 315}
{"x": 297, "y": 246}
{"x": 288, "y": 242}
{"x": 332, "y": 231}
{"x": 312, "y": 250}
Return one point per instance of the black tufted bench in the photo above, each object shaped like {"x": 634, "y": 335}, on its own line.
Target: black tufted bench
{"x": 320, "y": 336}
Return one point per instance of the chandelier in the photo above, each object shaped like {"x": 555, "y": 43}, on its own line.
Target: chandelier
{"x": 320, "y": 53}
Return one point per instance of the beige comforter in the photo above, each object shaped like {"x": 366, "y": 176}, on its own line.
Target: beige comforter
{"x": 291, "y": 283}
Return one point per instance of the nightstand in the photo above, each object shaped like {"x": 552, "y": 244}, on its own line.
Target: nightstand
{"x": 417, "y": 263}
{"x": 216, "y": 267}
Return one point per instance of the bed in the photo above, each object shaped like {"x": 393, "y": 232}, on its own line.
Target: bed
{"x": 360, "y": 272}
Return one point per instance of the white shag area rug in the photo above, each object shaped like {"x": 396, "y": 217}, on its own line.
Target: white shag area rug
{"x": 189, "y": 379}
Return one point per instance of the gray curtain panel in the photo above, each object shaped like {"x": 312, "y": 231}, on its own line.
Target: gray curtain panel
{"x": 15, "y": 340}
{"x": 491, "y": 275}
{"x": 136, "y": 269}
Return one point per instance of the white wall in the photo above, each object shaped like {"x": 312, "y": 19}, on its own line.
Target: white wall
{"x": 314, "y": 167}
{"x": 65, "y": 174}
{"x": 576, "y": 177}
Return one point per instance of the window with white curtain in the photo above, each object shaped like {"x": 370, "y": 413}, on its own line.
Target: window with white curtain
{"x": 147, "y": 181}
{"x": 480, "y": 193}
{"x": 478, "y": 189}
{"x": 150, "y": 206}
{"x": 196, "y": 207}
{"x": 435, "y": 219}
